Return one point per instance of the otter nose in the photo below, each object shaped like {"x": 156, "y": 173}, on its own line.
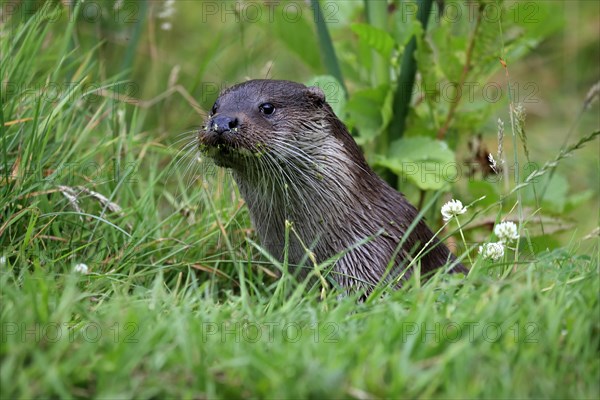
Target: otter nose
{"x": 223, "y": 123}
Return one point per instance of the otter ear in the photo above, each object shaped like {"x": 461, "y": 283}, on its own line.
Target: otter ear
{"x": 316, "y": 94}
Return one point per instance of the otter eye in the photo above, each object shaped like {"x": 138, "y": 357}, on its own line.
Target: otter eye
{"x": 266, "y": 108}
{"x": 213, "y": 111}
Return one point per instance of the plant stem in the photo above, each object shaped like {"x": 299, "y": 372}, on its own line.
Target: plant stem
{"x": 406, "y": 81}
{"x": 511, "y": 109}
{"x": 326, "y": 46}
{"x": 463, "y": 78}
{"x": 377, "y": 14}
{"x": 464, "y": 241}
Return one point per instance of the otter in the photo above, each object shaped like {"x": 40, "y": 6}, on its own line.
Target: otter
{"x": 294, "y": 160}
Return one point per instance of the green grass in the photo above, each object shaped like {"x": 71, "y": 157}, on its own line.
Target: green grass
{"x": 106, "y": 335}
{"x": 178, "y": 304}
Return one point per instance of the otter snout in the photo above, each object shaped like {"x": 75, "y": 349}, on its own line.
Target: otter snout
{"x": 223, "y": 123}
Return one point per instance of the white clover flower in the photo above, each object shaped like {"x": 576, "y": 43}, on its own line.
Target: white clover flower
{"x": 506, "y": 231}
{"x": 452, "y": 208}
{"x": 81, "y": 268}
{"x": 493, "y": 251}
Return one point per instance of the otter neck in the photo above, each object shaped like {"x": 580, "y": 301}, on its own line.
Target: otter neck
{"x": 317, "y": 204}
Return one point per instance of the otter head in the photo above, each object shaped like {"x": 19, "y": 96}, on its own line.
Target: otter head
{"x": 256, "y": 118}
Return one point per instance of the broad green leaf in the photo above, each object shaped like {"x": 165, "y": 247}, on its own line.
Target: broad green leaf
{"x": 376, "y": 38}
{"x": 426, "y": 162}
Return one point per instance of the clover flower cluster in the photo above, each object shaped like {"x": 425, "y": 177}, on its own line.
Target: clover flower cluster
{"x": 492, "y": 251}
{"x": 505, "y": 231}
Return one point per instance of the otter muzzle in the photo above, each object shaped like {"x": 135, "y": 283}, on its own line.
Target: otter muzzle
{"x": 223, "y": 123}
